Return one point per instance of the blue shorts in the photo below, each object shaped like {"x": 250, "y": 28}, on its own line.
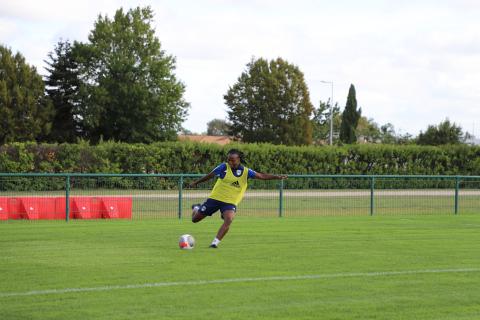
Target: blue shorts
{"x": 210, "y": 206}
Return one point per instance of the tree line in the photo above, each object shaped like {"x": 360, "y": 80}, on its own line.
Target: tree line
{"x": 120, "y": 85}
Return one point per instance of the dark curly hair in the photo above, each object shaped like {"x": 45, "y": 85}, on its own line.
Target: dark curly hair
{"x": 239, "y": 153}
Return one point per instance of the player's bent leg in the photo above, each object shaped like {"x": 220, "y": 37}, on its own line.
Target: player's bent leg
{"x": 228, "y": 216}
{"x": 197, "y": 216}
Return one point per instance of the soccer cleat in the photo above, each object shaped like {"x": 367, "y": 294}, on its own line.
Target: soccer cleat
{"x": 214, "y": 246}
{"x": 196, "y": 205}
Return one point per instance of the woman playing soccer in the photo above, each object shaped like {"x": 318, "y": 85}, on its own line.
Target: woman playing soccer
{"x": 227, "y": 192}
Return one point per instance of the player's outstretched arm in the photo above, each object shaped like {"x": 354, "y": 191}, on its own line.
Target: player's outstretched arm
{"x": 202, "y": 179}
{"x": 266, "y": 176}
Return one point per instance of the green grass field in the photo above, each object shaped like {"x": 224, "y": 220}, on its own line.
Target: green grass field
{"x": 349, "y": 267}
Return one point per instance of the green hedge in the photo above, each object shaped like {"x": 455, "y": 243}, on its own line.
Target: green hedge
{"x": 189, "y": 157}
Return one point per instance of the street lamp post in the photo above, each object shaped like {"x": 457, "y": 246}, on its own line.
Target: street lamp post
{"x": 331, "y": 111}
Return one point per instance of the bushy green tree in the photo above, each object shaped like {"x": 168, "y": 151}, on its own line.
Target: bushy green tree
{"x": 368, "y": 129}
{"x": 270, "y": 102}
{"x": 129, "y": 91}
{"x": 321, "y": 122}
{"x": 389, "y": 136}
{"x": 25, "y": 111}
{"x": 445, "y": 133}
{"x": 218, "y": 127}
{"x": 350, "y": 117}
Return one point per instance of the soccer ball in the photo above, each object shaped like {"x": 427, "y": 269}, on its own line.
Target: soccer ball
{"x": 186, "y": 242}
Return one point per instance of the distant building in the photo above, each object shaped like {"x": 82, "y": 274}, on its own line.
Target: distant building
{"x": 364, "y": 139}
{"x": 221, "y": 140}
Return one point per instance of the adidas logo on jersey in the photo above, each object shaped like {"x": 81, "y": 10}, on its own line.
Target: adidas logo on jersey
{"x": 235, "y": 184}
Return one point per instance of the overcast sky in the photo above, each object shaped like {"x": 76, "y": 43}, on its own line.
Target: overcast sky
{"x": 413, "y": 63}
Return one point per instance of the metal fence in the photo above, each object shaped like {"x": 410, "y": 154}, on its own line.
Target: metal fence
{"x": 156, "y": 196}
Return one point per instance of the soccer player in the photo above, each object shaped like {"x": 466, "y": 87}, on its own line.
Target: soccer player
{"x": 227, "y": 192}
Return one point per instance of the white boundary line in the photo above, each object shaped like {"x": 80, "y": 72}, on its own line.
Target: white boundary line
{"x": 234, "y": 280}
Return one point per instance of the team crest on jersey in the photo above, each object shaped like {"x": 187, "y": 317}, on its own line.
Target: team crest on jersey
{"x": 239, "y": 172}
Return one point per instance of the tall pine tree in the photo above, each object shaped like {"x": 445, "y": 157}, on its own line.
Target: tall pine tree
{"x": 63, "y": 85}
{"x": 350, "y": 117}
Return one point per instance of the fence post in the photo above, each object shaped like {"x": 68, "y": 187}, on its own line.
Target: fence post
{"x": 180, "y": 189}
{"x": 67, "y": 198}
{"x": 457, "y": 184}
{"x": 280, "y": 200}
{"x": 372, "y": 188}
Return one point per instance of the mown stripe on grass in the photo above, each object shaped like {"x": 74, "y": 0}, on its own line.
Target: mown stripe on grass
{"x": 234, "y": 280}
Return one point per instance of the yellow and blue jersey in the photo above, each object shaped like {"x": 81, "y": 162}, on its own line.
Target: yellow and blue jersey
{"x": 231, "y": 184}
